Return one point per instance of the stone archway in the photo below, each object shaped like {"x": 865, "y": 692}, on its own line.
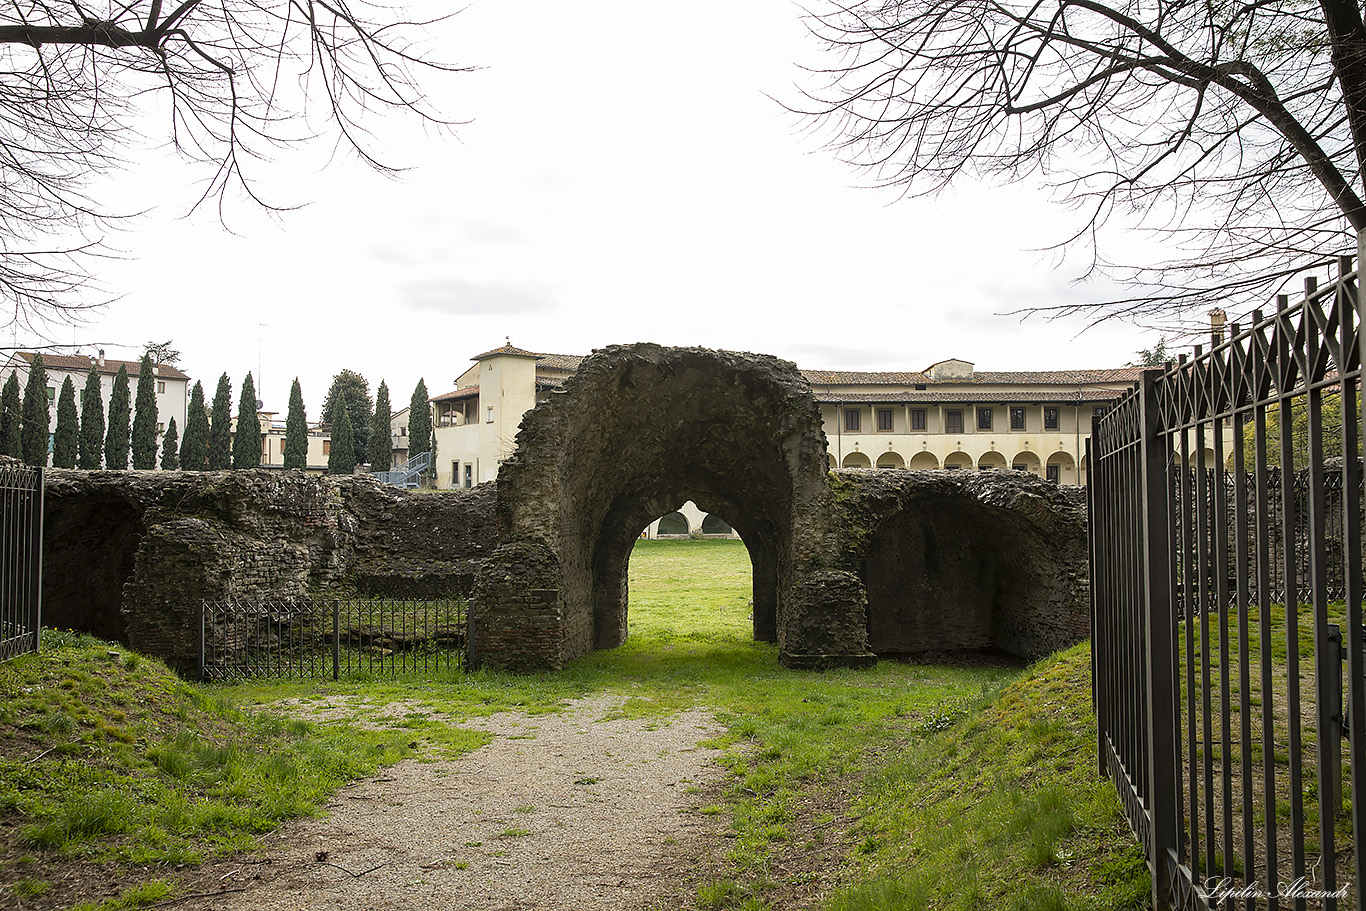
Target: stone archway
{"x": 636, "y": 432}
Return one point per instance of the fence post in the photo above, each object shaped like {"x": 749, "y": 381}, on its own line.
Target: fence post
{"x": 1160, "y": 625}
{"x": 336, "y": 640}
{"x": 35, "y": 605}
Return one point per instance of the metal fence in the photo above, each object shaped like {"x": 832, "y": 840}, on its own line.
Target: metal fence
{"x": 329, "y": 638}
{"x": 1226, "y": 559}
{"x": 21, "y": 559}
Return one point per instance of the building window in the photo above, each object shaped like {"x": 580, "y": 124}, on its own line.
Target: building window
{"x": 884, "y": 419}
{"x": 489, "y": 419}
{"x": 918, "y": 419}
{"x": 469, "y": 475}
{"x": 455, "y": 474}
{"x": 851, "y": 421}
{"x": 161, "y": 386}
{"x": 983, "y": 418}
{"x": 1051, "y": 473}
{"x": 161, "y": 428}
{"x": 51, "y": 394}
{"x": 1050, "y": 419}
{"x": 1017, "y": 420}
{"x": 327, "y": 447}
{"x": 953, "y": 422}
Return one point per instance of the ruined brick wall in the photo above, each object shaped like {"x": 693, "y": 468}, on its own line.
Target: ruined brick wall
{"x": 130, "y": 554}
{"x": 964, "y": 560}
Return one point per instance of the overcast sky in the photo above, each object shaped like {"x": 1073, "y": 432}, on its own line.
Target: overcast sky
{"x": 624, "y": 176}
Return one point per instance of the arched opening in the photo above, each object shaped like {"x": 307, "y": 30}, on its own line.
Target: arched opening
{"x": 957, "y": 461}
{"x": 1061, "y": 469}
{"x": 890, "y": 459}
{"x": 715, "y": 525}
{"x": 991, "y": 461}
{"x": 924, "y": 461}
{"x": 694, "y": 592}
{"x": 1026, "y": 461}
{"x": 675, "y": 524}
{"x": 948, "y": 572}
{"x": 857, "y": 460}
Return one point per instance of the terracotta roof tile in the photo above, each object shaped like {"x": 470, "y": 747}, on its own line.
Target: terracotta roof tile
{"x": 83, "y": 363}
{"x": 456, "y": 395}
{"x": 508, "y": 349}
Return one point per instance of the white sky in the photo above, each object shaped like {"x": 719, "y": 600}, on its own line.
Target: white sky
{"x": 624, "y": 177}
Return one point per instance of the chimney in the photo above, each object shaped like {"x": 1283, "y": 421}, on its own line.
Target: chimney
{"x": 1217, "y": 319}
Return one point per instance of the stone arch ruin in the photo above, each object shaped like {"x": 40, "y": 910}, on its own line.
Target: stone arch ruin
{"x": 634, "y": 434}
{"x": 847, "y": 564}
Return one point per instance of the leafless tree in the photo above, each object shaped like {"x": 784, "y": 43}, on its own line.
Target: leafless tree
{"x": 230, "y": 82}
{"x": 1236, "y": 128}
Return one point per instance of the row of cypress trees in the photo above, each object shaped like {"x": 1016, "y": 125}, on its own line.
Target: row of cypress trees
{"x": 84, "y": 438}
{"x": 92, "y": 438}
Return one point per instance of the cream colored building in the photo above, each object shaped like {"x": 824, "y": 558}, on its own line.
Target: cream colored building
{"x": 951, "y": 416}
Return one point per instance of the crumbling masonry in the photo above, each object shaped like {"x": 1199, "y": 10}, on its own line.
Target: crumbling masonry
{"x": 847, "y": 566}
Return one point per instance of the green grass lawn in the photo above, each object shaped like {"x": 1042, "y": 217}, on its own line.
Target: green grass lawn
{"x": 901, "y": 786}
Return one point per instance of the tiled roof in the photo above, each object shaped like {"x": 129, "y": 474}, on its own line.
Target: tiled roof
{"x": 456, "y": 395}
{"x": 560, "y": 361}
{"x": 930, "y": 396}
{"x": 863, "y": 378}
{"x": 978, "y": 378}
{"x": 83, "y": 363}
{"x": 508, "y": 350}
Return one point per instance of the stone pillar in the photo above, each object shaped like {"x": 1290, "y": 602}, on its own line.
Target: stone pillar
{"x": 826, "y": 623}
{"x": 517, "y": 620}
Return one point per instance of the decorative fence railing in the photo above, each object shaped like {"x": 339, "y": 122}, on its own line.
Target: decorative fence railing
{"x": 329, "y": 638}
{"x": 21, "y": 559}
{"x": 1226, "y": 558}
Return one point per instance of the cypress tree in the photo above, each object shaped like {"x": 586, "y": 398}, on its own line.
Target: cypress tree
{"x": 419, "y": 422}
{"x": 194, "y": 448}
{"x": 66, "y": 439}
{"x": 341, "y": 458}
{"x": 116, "y": 434}
{"x": 381, "y": 447}
{"x": 92, "y": 422}
{"x": 11, "y": 415}
{"x": 296, "y": 429}
{"x": 145, "y": 418}
{"x": 350, "y": 390}
{"x": 220, "y": 426}
{"x": 170, "y": 457}
{"x": 33, "y": 429}
{"x": 246, "y": 444}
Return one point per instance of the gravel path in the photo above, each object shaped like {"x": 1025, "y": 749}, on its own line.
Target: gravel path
{"x": 562, "y": 811}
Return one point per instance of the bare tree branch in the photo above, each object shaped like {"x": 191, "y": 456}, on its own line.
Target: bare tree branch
{"x": 1236, "y": 130}
{"x": 238, "y": 80}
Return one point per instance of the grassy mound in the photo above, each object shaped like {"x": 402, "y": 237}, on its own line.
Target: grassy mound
{"x": 1000, "y": 809}
{"x": 109, "y": 761}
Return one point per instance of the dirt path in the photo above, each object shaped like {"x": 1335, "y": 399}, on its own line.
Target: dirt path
{"x": 563, "y": 811}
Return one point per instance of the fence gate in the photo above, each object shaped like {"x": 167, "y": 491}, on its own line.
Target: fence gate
{"x": 21, "y": 559}
{"x": 328, "y": 638}
{"x": 1227, "y": 637}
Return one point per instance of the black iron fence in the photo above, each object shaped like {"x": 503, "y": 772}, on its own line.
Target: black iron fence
{"x": 21, "y": 559}
{"x": 1226, "y": 560}
{"x": 329, "y": 638}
